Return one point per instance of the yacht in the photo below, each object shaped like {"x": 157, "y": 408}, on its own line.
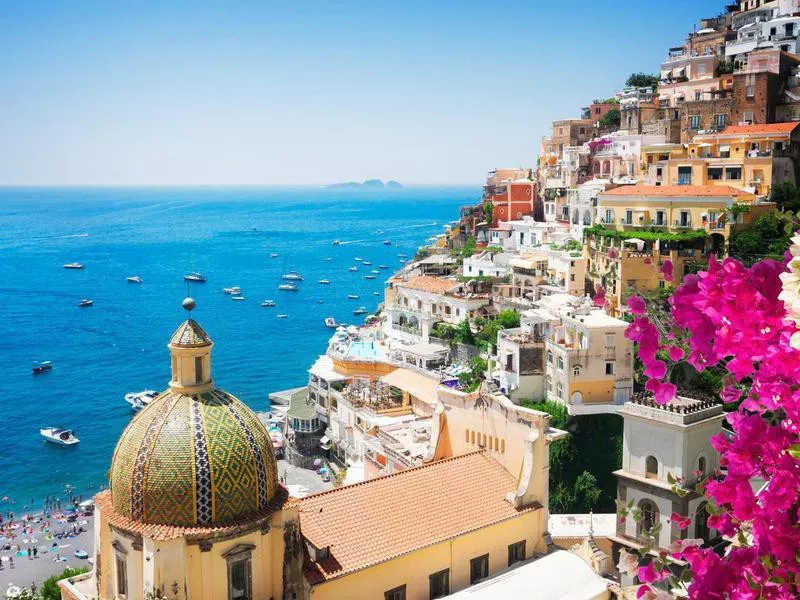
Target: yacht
{"x": 268, "y": 303}
{"x": 42, "y": 367}
{"x": 387, "y": 242}
{"x": 234, "y": 291}
{"x": 352, "y": 296}
{"x": 288, "y": 287}
{"x": 292, "y": 276}
{"x": 353, "y": 269}
{"x": 134, "y": 279}
{"x": 56, "y": 435}
{"x": 282, "y": 316}
{"x": 327, "y": 259}
{"x": 331, "y": 322}
{"x": 383, "y": 266}
{"x": 376, "y": 293}
{"x": 194, "y": 276}
{"x": 366, "y": 263}
{"x": 358, "y": 259}
{"x": 360, "y": 311}
{"x": 85, "y": 302}
{"x": 375, "y": 271}
{"x": 320, "y": 301}
{"x": 325, "y": 281}
{"x": 369, "y": 276}
{"x": 237, "y": 297}
{"x": 73, "y": 266}
{"x": 138, "y": 400}
{"x": 273, "y": 255}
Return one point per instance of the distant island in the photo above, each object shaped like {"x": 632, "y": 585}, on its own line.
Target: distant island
{"x": 369, "y": 183}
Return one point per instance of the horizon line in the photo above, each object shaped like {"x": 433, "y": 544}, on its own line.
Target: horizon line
{"x": 230, "y": 185}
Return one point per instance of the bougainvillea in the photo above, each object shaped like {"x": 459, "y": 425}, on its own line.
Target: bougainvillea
{"x": 744, "y": 320}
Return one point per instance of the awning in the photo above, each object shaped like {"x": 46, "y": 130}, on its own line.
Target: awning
{"x": 416, "y": 384}
{"x": 325, "y": 443}
{"x": 704, "y": 145}
{"x": 725, "y": 148}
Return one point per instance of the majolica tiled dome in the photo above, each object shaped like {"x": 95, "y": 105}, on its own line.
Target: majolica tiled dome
{"x": 193, "y": 460}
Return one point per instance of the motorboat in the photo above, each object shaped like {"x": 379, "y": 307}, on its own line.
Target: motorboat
{"x": 353, "y": 269}
{"x": 331, "y": 322}
{"x": 292, "y": 276}
{"x": 325, "y": 281}
{"x": 73, "y": 265}
{"x": 42, "y": 367}
{"x": 273, "y": 255}
{"x": 366, "y": 263}
{"x": 282, "y": 316}
{"x": 134, "y": 279}
{"x": 327, "y": 259}
{"x": 360, "y": 311}
{"x": 336, "y": 242}
{"x": 352, "y": 296}
{"x": 387, "y": 242}
{"x": 268, "y": 303}
{"x": 56, "y": 435}
{"x": 369, "y": 276}
{"x": 320, "y": 301}
{"x": 288, "y": 287}
{"x": 138, "y": 400}
{"x": 238, "y": 297}
{"x": 194, "y": 276}
{"x": 86, "y": 302}
{"x": 376, "y": 293}
{"x": 235, "y": 290}
{"x": 383, "y": 266}
{"x": 375, "y": 271}
{"x": 358, "y": 258}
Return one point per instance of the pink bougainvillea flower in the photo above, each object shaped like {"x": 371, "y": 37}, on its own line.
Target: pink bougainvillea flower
{"x": 666, "y": 270}
{"x": 680, "y": 521}
{"x": 637, "y": 305}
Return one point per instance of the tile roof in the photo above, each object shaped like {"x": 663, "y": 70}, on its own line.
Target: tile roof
{"x": 720, "y": 191}
{"x": 156, "y": 532}
{"x": 426, "y": 283}
{"x": 190, "y": 334}
{"x": 369, "y": 522}
{"x": 764, "y": 128}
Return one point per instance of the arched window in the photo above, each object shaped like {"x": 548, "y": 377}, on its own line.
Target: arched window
{"x": 576, "y": 370}
{"x": 701, "y": 523}
{"x": 651, "y": 467}
{"x": 649, "y": 520}
{"x": 549, "y": 357}
{"x": 701, "y": 465}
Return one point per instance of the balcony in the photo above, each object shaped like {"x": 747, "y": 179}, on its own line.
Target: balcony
{"x": 682, "y": 224}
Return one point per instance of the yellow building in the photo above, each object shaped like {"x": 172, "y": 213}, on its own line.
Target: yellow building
{"x": 195, "y": 511}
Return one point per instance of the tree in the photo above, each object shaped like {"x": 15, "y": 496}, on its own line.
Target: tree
{"x": 50, "y": 589}
{"x": 508, "y": 319}
{"x": 464, "y": 333}
{"x": 786, "y": 196}
{"x": 768, "y": 237}
{"x": 488, "y": 212}
{"x": 642, "y": 80}
{"x": 610, "y": 119}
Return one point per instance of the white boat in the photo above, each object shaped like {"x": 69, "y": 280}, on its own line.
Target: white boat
{"x": 376, "y": 293}
{"x": 383, "y": 266}
{"x": 387, "y": 242}
{"x": 134, "y": 279}
{"x": 360, "y": 311}
{"x": 352, "y": 296}
{"x": 331, "y": 322}
{"x": 238, "y": 298}
{"x": 42, "y": 367}
{"x": 292, "y": 276}
{"x": 282, "y": 316}
{"x": 325, "y": 281}
{"x": 358, "y": 258}
{"x": 366, "y": 263}
{"x": 195, "y": 276}
{"x": 327, "y": 259}
{"x": 320, "y": 301}
{"x": 235, "y": 290}
{"x": 86, "y": 302}
{"x": 353, "y": 269}
{"x": 74, "y": 265}
{"x": 268, "y": 303}
{"x": 138, "y": 400}
{"x": 273, "y": 255}
{"x": 288, "y": 287}
{"x": 375, "y": 271}
{"x": 56, "y": 435}
{"x": 369, "y": 276}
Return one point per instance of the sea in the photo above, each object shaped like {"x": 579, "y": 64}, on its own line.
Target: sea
{"x": 119, "y": 344}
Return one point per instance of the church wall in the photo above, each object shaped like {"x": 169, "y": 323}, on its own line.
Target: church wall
{"x": 413, "y": 570}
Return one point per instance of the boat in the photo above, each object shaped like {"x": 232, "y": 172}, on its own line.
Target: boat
{"x": 273, "y": 255}
{"x": 336, "y": 242}
{"x": 238, "y": 298}
{"x": 235, "y": 290}
{"x": 86, "y": 302}
{"x": 360, "y": 311}
{"x": 353, "y": 269}
{"x": 369, "y": 276}
{"x": 42, "y": 367}
{"x": 352, "y": 296}
{"x": 194, "y": 276}
{"x": 134, "y": 279}
{"x": 327, "y": 259}
{"x": 320, "y": 301}
{"x": 268, "y": 303}
{"x": 383, "y": 266}
{"x": 366, "y": 263}
{"x": 282, "y": 316}
{"x": 138, "y": 400}
{"x": 331, "y": 322}
{"x": 74, "y": 265}
{"x": 376, "y": 293}
{"x": 387, "y": 242}
{"x": 288, "y": 287}
{"x": 325, "y": 281}
{"x": 292, "y": 276}
{"x": 375, "y": 271}
{"x": 56, "y": 435}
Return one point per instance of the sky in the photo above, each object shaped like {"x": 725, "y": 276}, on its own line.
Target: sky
{"x": 308, "y": 92}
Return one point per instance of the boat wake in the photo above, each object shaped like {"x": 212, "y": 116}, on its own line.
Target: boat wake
{"x": 62, "y": 237}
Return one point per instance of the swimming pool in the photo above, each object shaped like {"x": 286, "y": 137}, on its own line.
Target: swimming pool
{"x": 365, "y": 350}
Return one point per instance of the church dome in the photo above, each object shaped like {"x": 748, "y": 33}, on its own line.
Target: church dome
{"x": 193, "y": 460}
{"x": 195, "y": 455}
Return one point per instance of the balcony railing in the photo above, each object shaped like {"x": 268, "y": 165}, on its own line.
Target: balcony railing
{"x": 683, "y": 224}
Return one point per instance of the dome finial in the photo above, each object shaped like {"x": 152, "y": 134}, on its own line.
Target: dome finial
{"x": 188, "y": 304}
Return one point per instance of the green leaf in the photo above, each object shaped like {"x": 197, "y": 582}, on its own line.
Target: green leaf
{"x": 750, "y": 582}
{"x": 671, "y": 478}
{"x": 794, "y": 451}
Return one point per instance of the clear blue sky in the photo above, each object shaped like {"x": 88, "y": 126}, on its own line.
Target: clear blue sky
{"x": 261, "y": 92}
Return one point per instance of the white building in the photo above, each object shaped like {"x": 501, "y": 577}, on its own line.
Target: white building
{"x": 486, "y": 264}
{"x": 771, "y": 25}
{"x": 583, "y": 205}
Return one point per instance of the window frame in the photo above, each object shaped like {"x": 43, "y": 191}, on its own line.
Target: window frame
{"x": 445, "y": 591}
{"x": 390, "y": 594}
{"x": 484, "y": 564}
{"x": 512, "y": 550}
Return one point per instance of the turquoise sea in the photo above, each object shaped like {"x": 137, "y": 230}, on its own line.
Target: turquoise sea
{"x": 119, "y": 344}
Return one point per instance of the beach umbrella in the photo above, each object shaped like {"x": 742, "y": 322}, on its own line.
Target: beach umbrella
{"x": 317, "y": 462}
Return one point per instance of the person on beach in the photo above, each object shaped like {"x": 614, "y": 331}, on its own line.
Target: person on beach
{"x": 11, "y": 561}
{"x": 35, "y": 552}
{"x": 30, "y": 553}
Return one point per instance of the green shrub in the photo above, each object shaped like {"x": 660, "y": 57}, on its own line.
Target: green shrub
{"x": 50, "y": 589}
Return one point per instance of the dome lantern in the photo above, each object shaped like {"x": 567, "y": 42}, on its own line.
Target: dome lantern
{"x": 190, "y": 347}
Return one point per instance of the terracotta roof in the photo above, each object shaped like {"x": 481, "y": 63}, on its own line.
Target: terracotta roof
{"x": 369, "y": 522}
{"x": 765, "y": 128}
{"x": 156, "y": 532}
{"x": 719, "y": 191}
{"x": 426, "y": 283}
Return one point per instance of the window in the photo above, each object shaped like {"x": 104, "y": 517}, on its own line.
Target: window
{"x": 478, "y": 569}
{"x": 715, "y": 173}
{"x": 628, "y": 217}
{"x": 240, "y": 579}
{"x": 750, "y": 92}
{"x": 611, "y": 340}
{"x": 609, "y": 367}
{"x": 660, "y": 217}
{"x": 560, "y": 363}
{"x": 576, "y": 371}
{"x": 684, "y": 175}
{"x": 549, "y": 357}
{"x": 789, "y": 29}
{"x": 733, "y": 173}
{"x": 684, "y": 220}
{"x": 701, "y": 465}
{"x": 572, "y": 277}
{"x": 198, "y": 369}
{"x": 398, "y": 593}
{"x": 439, "y": 584}
{"x": 516, "y": 553}
{"x": 649, "y": 519}
{"x": 122, "y": 575}
{"x": 698, "y": 95}
{"x": 749, "y": 116}
{"x": 701, "y": 523}
{"x": 651, "y": 467}
{"x": 560, "y": 390}
{"x": 694, "y": 121}
{"x": 419, "y": 304}
{"x": 609, "y": 215}
{"x": 719, "y": 121}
